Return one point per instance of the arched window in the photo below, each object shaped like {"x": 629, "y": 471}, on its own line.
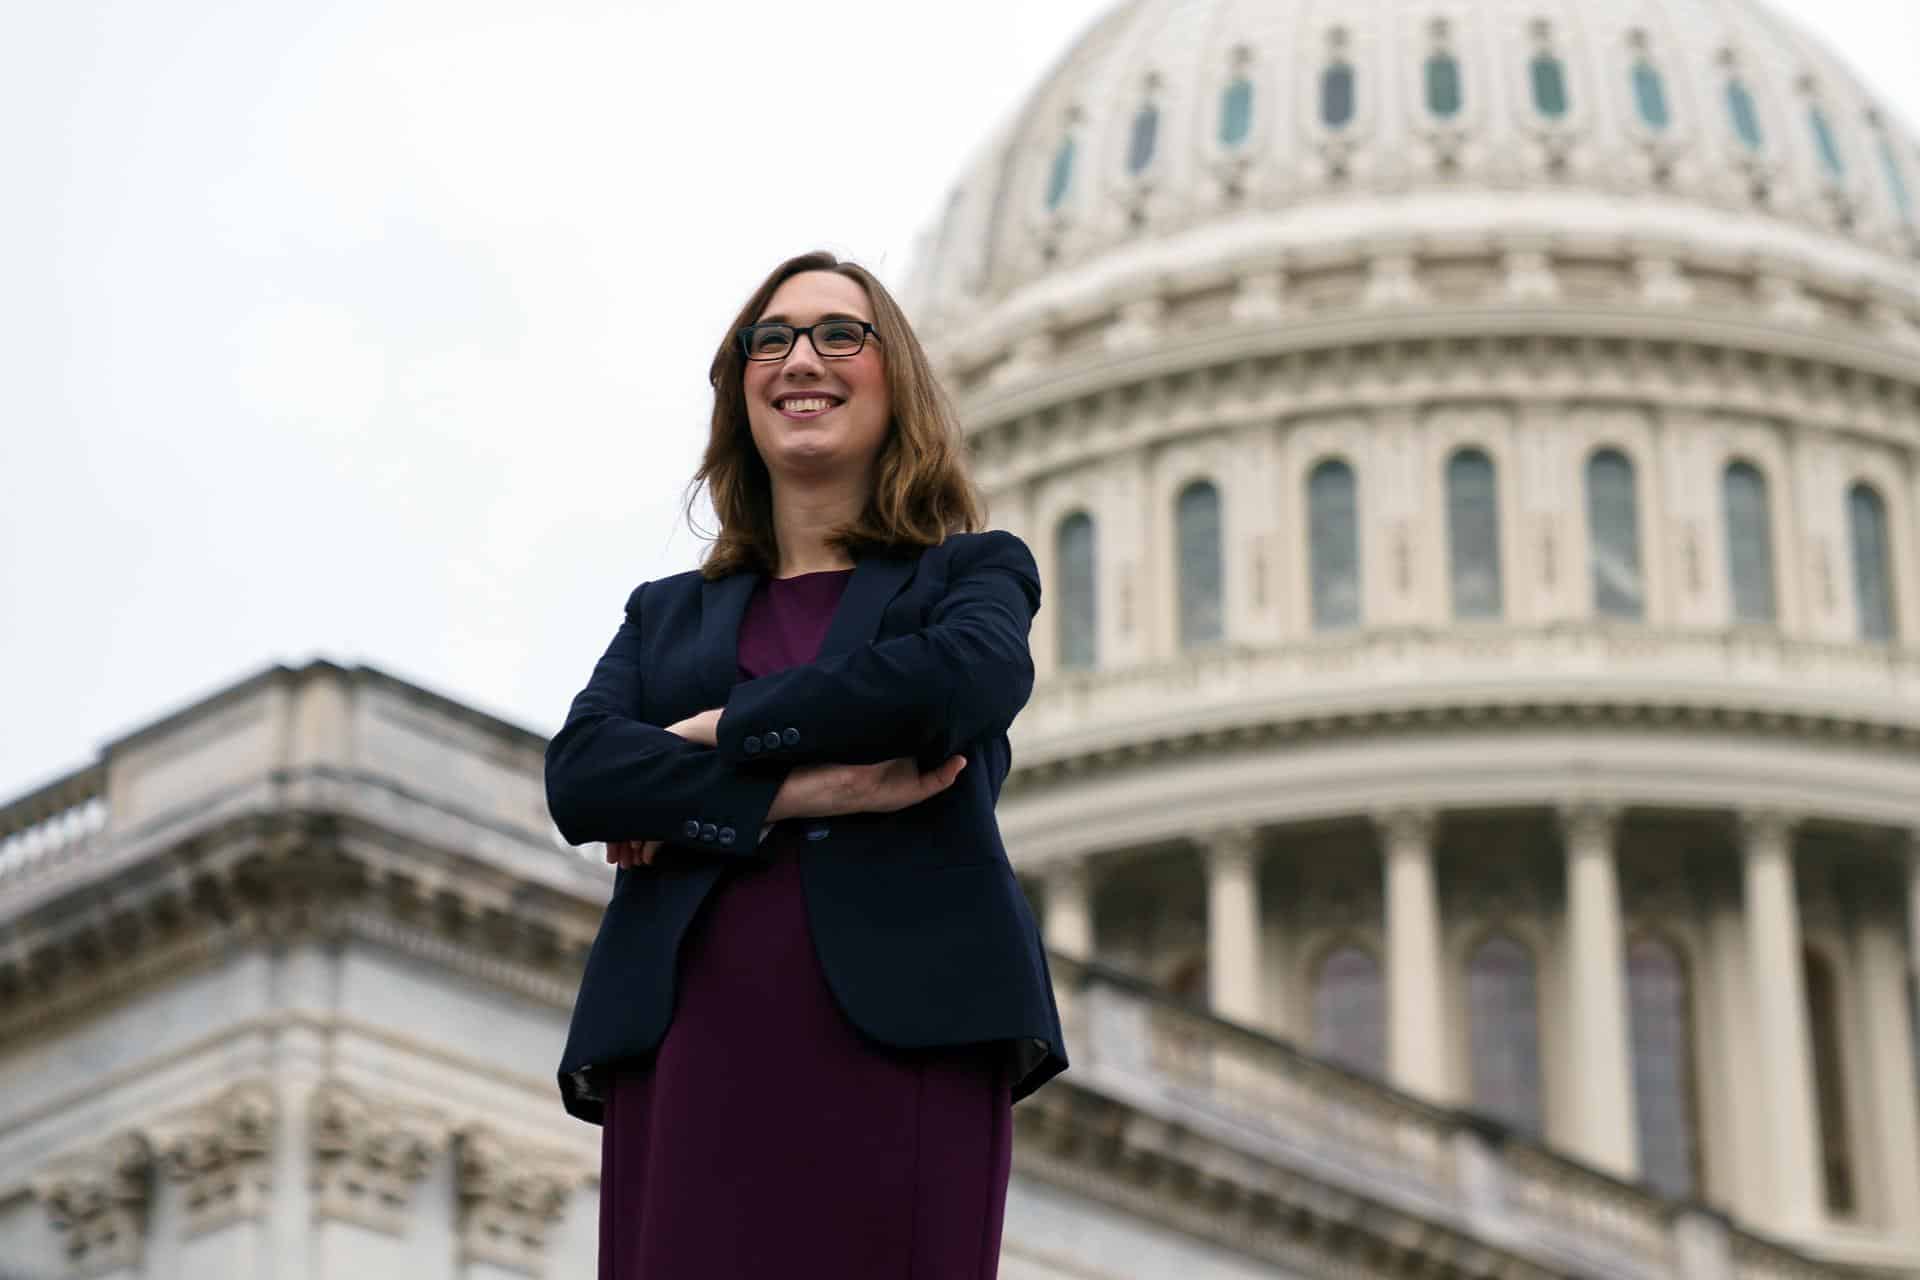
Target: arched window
{"x": 1746, "y": 118}
{"x": 1650, "y": 95}
{"x": 1140, "y": 143}
{"x": 1503, "y": 1014}
{"x": 1749, "y": 542}
{"x": 1613, "y": 537}
{"x": 1830, "y": 157}
{"x": 1829, "y": 1083}
{"x": 1896, "y": 180}
{"x": 1350, "y": 1010}
{"x": 1549, "y": 86}
{"x": 1333, "y": 545}
{"x": 1660, "y": 1016}
{"x": 1337, "y": 95}
{"x": 1443, "y": 84}
{"x": 1197, "y": 517}
{"x": 1872, "y": 563}
{"x": 1060, "y": 177}
{"x": 1473, "y": 527}
{"x": 1077, "y": 612}
{"x": 1236, "y": 112}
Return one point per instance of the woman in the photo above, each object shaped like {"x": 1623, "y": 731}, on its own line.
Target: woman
{"x": 817, "y": 989}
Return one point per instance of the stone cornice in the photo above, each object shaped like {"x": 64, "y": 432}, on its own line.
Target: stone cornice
{"x": 1058, "y": 766}
{"x": 274, "y": 876}
{"x": 1031, "y": 425}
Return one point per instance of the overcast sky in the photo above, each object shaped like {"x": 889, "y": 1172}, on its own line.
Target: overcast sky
{"x": 377, "y": 330}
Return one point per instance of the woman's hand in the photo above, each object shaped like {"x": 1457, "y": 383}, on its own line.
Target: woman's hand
{"x": 701, "y": 730}
{"x": 829, "y": 790}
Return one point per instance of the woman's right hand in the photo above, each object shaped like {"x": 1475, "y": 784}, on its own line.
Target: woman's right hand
{"x": 829, "y": 790}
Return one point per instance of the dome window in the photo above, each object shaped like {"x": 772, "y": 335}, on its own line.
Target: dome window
{"x": 1549, "y": 86}
{"x": 1896, "y": 180}
{"x": 1746, "y": 119}
{"x": 1074, "y": 551}
{"x": 1197, "y": 557}
{"x": 1333, "y": 545}
{"x": 1443, "y": 85}
{"x": 1060, "y": 177}
{"x": 1872, "y": 564}
{"x": 1140, "y": 143}
{"x": 1749, "y": 538}
{"x": 1236, "y": 112}
{"x": 1613, "y": 533}
{"x": 1337, "y": 95}
{"x": 1823, "y": 138}
{"x": 1650, "y": 95}
{"x": 1473, "y": 535}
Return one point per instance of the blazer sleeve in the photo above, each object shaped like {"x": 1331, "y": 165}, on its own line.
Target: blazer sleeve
{"x": 611, "y": 776}
{"x": 962, "y": 677}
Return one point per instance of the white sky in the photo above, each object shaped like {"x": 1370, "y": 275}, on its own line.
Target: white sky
{"x": 378, "y": 331}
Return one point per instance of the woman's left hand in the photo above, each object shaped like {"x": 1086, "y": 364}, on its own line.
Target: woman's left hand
{"x": 701, "y": 730}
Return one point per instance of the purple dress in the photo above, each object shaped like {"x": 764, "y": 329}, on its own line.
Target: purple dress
{"x": 768, "y": 1136}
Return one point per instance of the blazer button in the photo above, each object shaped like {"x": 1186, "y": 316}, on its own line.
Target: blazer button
{"x": 752, "y": 745}
{"x": 726, "y": 835}
{"x": 691, "y": 830}
{"x": 790, "y": 736}
{"x": 770, "y": 739}
{"x": 708, "y": 832}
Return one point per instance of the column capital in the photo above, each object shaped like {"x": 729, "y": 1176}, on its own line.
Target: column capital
{"x": 1765, "y": 825}
{"x": 1230, "y": 845}
{"x": 1588, "y": 822}
{"x": 511, "y": 1194}
{"x": 369, "y": 1156}
{"x": 98, "y": 1198}
{"x": 222, "y": 1151}
{"x": 1073, "y": 870}
{"x": 1399, "y": 824}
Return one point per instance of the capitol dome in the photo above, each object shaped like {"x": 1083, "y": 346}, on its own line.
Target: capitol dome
{"x": 1472, "y": 451}
{"x": 1259, "y": 131}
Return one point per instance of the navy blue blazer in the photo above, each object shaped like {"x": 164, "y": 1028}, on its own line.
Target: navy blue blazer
{"x": 920, "y": 926}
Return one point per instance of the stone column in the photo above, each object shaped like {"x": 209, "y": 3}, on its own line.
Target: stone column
{"x": 1233, "y": 925}
{"x": 1777, "y": 979}
{"x": 1895, "y": 1135}
{"x": 1068, "y": 908}
{"x": 1603, "y": 1123}
{"x": 1416, "y": 1048}
{"x": 1913, "y": 920}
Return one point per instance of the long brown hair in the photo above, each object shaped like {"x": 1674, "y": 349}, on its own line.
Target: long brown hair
{"x": 921, "y": 487}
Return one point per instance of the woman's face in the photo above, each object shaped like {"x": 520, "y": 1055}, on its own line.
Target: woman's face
{"x": 814, "y": 416}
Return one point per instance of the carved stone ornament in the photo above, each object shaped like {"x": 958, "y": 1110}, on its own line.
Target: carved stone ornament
{"x": 222, "y": 1152}
{"x": 511, "y": 1194}
{"x": 368, "y": 1157}
{"x": 98, "y": 1199}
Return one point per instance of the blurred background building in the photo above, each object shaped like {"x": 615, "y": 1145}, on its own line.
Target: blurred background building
{"x": 1472, "y": 792}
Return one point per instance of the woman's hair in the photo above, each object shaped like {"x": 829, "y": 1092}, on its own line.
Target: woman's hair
{"x": 921, "y": 488}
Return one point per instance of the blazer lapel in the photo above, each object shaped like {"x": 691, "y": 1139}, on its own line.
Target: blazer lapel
{"x": 723, "y": 602}
{"x": 876, "y": 579}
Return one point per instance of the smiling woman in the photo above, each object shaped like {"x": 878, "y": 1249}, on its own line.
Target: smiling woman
{"x": 817, "y": 990}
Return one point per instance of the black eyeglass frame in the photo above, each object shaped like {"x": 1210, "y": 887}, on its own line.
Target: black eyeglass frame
{"x": 746, "y": 339}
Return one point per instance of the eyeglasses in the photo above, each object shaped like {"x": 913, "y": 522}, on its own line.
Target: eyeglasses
{"x": 837, "y": 339}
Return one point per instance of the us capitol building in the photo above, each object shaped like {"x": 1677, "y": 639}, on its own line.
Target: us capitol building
{"x": 1472, "y": 792}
